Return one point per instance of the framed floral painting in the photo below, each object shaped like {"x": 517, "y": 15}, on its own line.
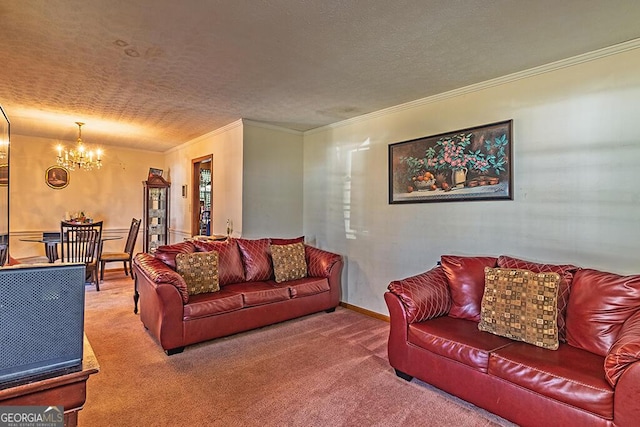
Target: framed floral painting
{"x": 467, "y": 164}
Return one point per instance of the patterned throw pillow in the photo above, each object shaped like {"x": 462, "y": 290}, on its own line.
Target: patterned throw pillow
{"x": 289, "y": 262}
{"x": 230, "y": 268}
{"x": 521, "y": 305}
{"x": 200, "y": 271}
{"x": 167, "y": 253}
{"x": 566, "y": 272}
{"x": 256, "y": 260}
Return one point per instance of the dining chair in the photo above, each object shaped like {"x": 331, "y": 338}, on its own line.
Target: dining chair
{"x": 4, "y": 252}
{"x": 81, "y": 243}
{"x": 125, "y": 256}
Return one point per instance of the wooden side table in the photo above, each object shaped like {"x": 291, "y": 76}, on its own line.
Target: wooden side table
{"x": 67, "y": 389}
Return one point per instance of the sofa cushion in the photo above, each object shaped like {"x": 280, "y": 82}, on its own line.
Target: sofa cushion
{"x": 521, "y": 305}
{"x": 456, "y": 339}
{"x": 568, "y": 375}
{"x": 259, "y": 293}
{"x": 600, "y": 304}
{"x": 256, "y": 259}
{"x": 230, "y": 268}
{"x": 200, "y": 271}
{"x": 212, "y": 303}
{"x": 466, "y": 284}
{"x": 167, "y": 253}
{"x": 288, "y": 262}
{"x": 625, "y": 351}
{"x": 307, "y": 286}
{"x": 565, "y": 271}
{"x": 280, "y": 241}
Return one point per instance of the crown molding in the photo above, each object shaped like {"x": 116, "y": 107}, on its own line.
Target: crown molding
{"x": 542, "y": 69}
{"x": 223, "y": 129}
{"x": 265, "y": 125}
{"x": 230, "y": 126}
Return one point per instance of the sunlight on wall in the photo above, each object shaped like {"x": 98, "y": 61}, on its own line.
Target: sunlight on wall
{"x": 355, "y": 184}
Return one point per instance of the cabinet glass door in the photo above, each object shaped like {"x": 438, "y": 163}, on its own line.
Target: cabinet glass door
{"x": 156, "y": 215}
{"x": 157, "y": 219}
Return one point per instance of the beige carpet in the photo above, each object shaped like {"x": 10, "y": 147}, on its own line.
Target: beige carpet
{"x": 320, "y": 370}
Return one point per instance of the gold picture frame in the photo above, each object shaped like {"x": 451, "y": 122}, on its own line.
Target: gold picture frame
{"x": 57, "y": 177}
{"x": 464, "y": 165}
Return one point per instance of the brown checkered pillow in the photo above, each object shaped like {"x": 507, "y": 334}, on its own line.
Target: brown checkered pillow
{"x": 289, "y": 262}
{"x": 565, "y": 271}
{"x": 200, "y": 271}
{"x": 521, "y": 305}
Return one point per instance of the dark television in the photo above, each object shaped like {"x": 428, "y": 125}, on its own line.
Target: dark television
{"x": 41, "y": 320}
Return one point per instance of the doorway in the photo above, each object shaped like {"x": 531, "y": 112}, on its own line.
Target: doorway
{"x": 201, "y": 212}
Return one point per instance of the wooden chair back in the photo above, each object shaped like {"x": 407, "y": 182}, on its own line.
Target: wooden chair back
{"x": 80, "y": 242}
{"x": 4, "y": 253}
{"x": 132, "y": 237}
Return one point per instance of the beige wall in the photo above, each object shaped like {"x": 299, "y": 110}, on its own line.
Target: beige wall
{"x": 225, "y": 145}
{"x": 273, "y": 182}
{"x": 256, "y": 180}
{"x": 112, "y": 194}
{"x": 576, "y": 150}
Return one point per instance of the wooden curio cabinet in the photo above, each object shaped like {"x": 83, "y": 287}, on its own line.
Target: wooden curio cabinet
{"x": 156, "y": 212}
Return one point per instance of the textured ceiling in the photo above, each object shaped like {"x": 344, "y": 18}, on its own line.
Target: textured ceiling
{"x": 154, "y": 74}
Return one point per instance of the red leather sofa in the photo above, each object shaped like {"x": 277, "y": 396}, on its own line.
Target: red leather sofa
{"x": 248, "y": 297}
{"x": 592, "y": 379}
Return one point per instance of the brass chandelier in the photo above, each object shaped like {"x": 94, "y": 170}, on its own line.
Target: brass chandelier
{"x": 79, "y": 157}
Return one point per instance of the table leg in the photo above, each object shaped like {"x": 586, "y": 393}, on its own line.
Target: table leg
{"x": 51, "y": 249}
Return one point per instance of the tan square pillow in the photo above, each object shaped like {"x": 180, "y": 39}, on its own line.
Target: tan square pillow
{"x": 521, "y": 305}
{"x": 200, "y": 271}
{"x": 289, "y": 262}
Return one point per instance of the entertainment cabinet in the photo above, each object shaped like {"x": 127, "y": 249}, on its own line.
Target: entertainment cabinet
{"x": 67, "y": 389}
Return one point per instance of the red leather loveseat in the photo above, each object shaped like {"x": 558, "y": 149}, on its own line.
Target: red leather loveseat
{"x": 248, "y": 298}
{"x": 592, "y": 379}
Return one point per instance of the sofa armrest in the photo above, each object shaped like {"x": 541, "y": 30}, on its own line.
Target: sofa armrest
{"x": 626, "y": 411}
{"x": 424, "y": 296}
{"x": 159, "y": 272}
{"x": 320, "y": 262}
{"x": 326, "y": 264}
{"x": 625, "y": 351}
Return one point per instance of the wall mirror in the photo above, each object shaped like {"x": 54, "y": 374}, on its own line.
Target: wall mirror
{"x": 4, "y": 187}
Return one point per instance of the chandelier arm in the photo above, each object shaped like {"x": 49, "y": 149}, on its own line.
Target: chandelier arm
{"x": 73, "y": 159}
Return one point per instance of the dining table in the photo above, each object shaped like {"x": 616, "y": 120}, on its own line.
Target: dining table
{"x": 51, "y": 240}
